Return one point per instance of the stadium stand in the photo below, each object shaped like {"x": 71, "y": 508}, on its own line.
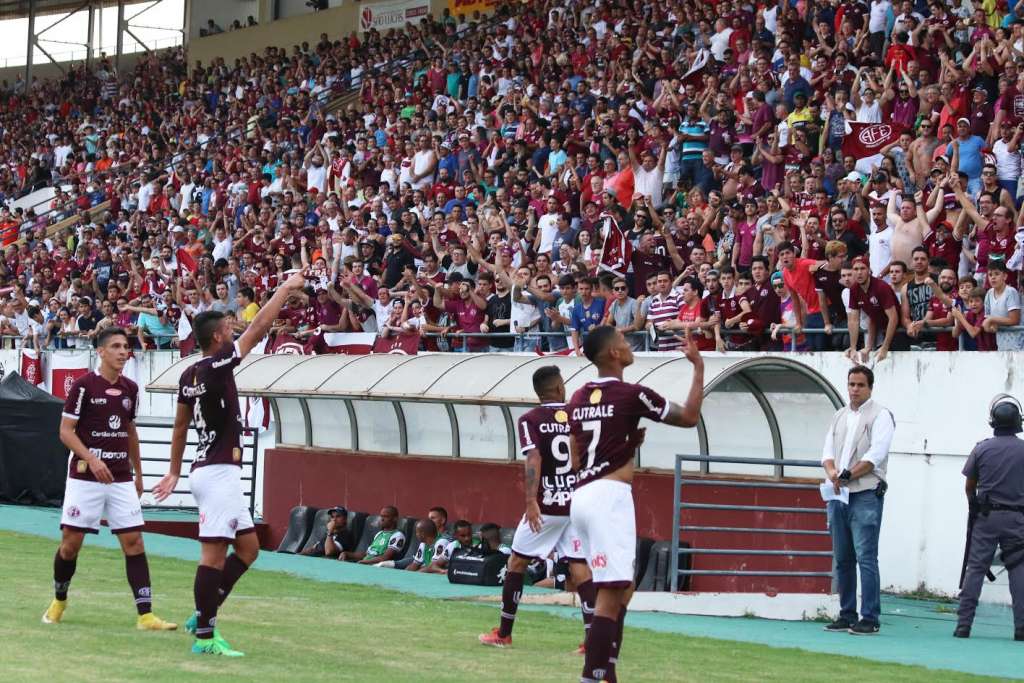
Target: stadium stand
{"x": 445, "y": 180}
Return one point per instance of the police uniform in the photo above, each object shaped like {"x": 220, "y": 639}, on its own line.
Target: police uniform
{"x": 997, "y": 465}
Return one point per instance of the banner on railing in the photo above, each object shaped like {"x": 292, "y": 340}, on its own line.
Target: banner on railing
{"x": 63, "y": 368}
{"x": 384, "y": 16}
{"x": 407, "y": 344}
{"x": 31, "y": 367}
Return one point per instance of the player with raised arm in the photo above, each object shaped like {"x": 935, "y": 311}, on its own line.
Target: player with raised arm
{"x": 603, "y": 415}
{"x": 544, "y": 441}
{"x": 104, "y": 476}
{"x": 208, "y": 398}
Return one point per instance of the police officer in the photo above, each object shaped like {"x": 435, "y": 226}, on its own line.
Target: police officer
{"x": 995, "y": 494}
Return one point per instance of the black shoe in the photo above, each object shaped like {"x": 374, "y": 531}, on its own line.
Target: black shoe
{"x": 962, "y": 632}
{"x": 840, "y": 625}
{"x": 1018, "y": 634}
{"x": 863, "y": 628}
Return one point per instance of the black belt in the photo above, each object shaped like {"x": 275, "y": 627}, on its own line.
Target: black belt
{"x": 986, "y": 507}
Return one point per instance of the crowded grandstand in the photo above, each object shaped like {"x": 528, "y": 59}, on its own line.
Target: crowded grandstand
{"x": 770, "y": 179}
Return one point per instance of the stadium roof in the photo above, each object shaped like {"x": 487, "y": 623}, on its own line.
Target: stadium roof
{"x": 452, "y": 404}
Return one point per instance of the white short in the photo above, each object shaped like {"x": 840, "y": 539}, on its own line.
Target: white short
{"x": 556, "y": 533}
{"x": 223, "y": 512}
{"x": 603, "y": 515}
{"x": 87, "y": 502}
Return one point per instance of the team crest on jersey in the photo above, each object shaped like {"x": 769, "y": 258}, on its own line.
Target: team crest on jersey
{"x": 127, "y": 403}
{"x": 68, "y": 383}
{"x": 112, "y": 392}
{"x": 114, "y": 422}
{"x": 561, "y": 416}
{"x": 232, "y": 524}
{"x": 599, "y": 561}
{"x": 73, "y": 511}
{"x": 595, "y": 396}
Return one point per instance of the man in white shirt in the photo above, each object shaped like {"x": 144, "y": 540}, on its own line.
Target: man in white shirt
{"x": 548, "y": 226}
{"x": 878, "y": 19}
{"x": 855, "y": 455}
{"x": 649, "y": 174}
{"x": 879, "y": 242}
{"x": 720, "y": 39}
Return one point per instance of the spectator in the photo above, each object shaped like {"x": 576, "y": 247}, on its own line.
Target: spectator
{"x": 1002, "y": 309}
{"x": 587, "y": 312}
{"x": 385, "y": 546}
{"x": 338, "y": 539}
{"x": 462, "y": 540}
{"x": 426, "y": 536}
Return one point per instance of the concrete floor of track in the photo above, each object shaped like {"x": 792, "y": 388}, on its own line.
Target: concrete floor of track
{"x": 913, "y": 631}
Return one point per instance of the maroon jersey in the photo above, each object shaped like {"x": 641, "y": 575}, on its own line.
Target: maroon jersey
{"x": 878, "y": 298}
{"x": 208, "y": 387}
{"x": 602, "y": 414}
{"x": 546, "y": 428}
{"x": 104, "y": 411}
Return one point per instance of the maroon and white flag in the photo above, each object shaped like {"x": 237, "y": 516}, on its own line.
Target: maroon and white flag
{"x": 31, "y": 367}
{"x": 407, "y": 344}
{"x": 64, "y": 368}
{"x": 868, "y": 139}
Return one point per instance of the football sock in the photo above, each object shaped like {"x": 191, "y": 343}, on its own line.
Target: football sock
{"x": 137, "y": 569}
{"x": 510, "y": 594}
{"x": 232, "y": 572}
{"x": 63, "y": 570}
{"x": 599, "y": 644}
{"x": 588, "y": 596}
{"x": 613, "y": 657}
{"x": 206, "y": 591}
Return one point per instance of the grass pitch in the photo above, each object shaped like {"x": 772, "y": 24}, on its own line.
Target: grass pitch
{"x": 301, "y": 630}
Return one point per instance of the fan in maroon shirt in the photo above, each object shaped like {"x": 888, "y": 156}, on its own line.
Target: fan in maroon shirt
{"x": 875, "y": 299}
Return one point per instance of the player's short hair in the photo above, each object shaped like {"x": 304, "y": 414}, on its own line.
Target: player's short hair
{"x": 427, "y": 525}
{"x": 865, "y": 371}
{"x": 440, "y": 510}
{"x": 488, "y": 527}
{"x": 597, "y": 340}
{"x": 544, "y": 378}
{"x": 108, "y": 333}
{"x": 392, "y": 509}
{"x": 998, "y": 266}
{"x": 462, "y": 524}
{"x": 205, "y": 326}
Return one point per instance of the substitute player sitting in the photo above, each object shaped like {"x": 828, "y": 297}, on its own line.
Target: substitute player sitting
{"x": 544, "y": 441}
{"x": 208, "y": 397}
{"x": 604, "y": 414}
{"x": 98, "y": 425}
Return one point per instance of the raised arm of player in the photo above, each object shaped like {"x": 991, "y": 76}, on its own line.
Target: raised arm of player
{"x": 182, "y": 419}
{"x": 688, "y": 414}
{"x": 260, "y": 325}
{"x": 69, "y": 438}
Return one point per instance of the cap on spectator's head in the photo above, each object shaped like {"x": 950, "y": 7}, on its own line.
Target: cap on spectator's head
{"x": 610, "y": 192}
{"x": 85, "y": 300}
{"x": 776, "y": 277}
{"x": 980, "y": 88}
{"x": 339, "y": 510}
{"x": 177, "y": 228}
{"x": 964, "y": 120}
{"x": 862, "y": 260}
{"x": 801, "y": 94}
{"x": 33, "y": 302}
{"x": 945, "y": 225}
{"x": 944, "y": 159}
{"x": 713, "y": 273}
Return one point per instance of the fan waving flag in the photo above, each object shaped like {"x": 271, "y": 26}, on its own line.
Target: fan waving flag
{"x": 186, "y": 260}
{"x": 617, "y": 251}
{"x": 867, "y": 139}
{"x": 695, "y": 75}
{"x": 623, "y": 184}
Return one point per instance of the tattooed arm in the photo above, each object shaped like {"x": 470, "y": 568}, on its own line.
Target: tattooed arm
{"x": 532, "y": 483}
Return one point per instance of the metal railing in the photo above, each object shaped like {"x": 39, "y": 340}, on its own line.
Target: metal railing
{"x": 678, "y": 505}
{"x": 251, "y": 445}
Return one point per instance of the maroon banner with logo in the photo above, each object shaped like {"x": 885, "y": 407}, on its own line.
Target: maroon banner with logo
{"x": 32, "y": 367}
{"x": 408, "y": 344}
{"x": 868, "y": 139}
